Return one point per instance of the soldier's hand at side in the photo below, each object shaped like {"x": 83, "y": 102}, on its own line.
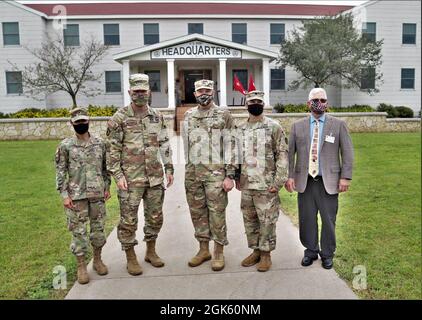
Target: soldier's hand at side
{"x": 170, "y": 179}
{"x": 228, "y": 184}
{"x": 238, "y": 185}
{"x": 290, "y": 185}
{"x": 107, "y": 195}
{"x": 272, "y": 189}
{"x": 122, "y": 184}
{"x": 67, "y": 202}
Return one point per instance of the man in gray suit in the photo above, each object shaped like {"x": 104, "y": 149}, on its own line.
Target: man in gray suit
{"x": 316, "y": 145}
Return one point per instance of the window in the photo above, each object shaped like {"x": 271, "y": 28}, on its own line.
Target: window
{"x": 154, "y": 80}
{"x": 71, "y": 35}
{"x": 407, "y": 78}
{"x": 368, "y": 78}
{"x": 111, "y": 35}
{"x": 195, "y": 28}
{"x": 151, "y": 33}
{"x": 239, "y": 33}
{"x": 278, "y": 79}
{"x": 276, "y": 33}
{"x": 242, "y": 75}
{"x": 409, "y": 33}
{"x": 14, "y": 82}
{"x": 369, "y": 31}
{"x": 11, "y": 33}
{"x": 113, "y": 81}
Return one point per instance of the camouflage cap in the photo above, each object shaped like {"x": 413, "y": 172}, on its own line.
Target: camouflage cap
{"x": 139, "y": 81}
{"x": 204, "y": 84}
{"x": 79, "y": 114}
{"x": 252, "y": 95}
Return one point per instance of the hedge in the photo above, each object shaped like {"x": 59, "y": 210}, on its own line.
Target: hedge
{"x": 299, "y": 108}
{"x": 93, "y": 111}
{"x": 395, "y": 112}
{"x": 392, "y": 111}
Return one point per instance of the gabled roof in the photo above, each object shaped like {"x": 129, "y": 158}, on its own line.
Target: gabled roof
{"x": 191, "y": 37}
{"x": 185, "y": 8}
{"x": 26, "y": 8}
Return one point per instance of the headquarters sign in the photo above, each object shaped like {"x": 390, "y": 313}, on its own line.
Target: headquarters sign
{"x": 196, "y": 49}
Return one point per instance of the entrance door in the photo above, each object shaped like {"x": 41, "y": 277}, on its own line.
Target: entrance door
{"x": 190, "y": 77}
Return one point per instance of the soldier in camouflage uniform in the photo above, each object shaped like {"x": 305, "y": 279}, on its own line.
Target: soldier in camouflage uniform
{"x": 263, "y": 171}
{"x": 207, "y": 177}
{"x": 83, "y": 182}
{"x": 137, "y": 137}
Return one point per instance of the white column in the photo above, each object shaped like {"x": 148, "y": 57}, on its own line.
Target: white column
{"x": 170, "y": 84}
{"x": 266, "y": 80}
{"x": 223, "y": 84}
{"x": 126, "y": 74}
{"x": 256, "y": 78}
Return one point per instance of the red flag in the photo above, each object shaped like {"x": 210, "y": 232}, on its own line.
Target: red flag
{"x": 251, "y": 85}
{"x": 237, "y": 85}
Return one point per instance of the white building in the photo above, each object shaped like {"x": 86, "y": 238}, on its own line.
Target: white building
{"x": 186, "y": 42}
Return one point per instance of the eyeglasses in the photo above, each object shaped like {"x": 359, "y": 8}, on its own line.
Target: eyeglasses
{"x": 320, "y": 100}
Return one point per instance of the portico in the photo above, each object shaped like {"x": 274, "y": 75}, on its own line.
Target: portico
{"x": 174, "y": 65}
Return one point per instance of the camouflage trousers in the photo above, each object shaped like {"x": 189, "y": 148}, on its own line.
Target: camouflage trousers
{"x": 207, "y": 202}
{"x": 86, "y": 210}
{"x": 153, "y": 212}
{"x": 260, "y": 210}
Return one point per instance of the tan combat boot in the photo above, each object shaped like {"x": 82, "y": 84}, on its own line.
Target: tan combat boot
{"x": 133, "y": 266}
{"x": 98, "y": 265}
{"x": 252, "y": 259}
{"x": 202, "y": 255}
{"x": 217, "y": 263}
{"x": 265, "y": 262}
{"x": 151, "y": 256}
{"x": 82, "y": 272}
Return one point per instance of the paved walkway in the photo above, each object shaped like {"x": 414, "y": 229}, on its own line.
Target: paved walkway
{"x": 176, "y": 280}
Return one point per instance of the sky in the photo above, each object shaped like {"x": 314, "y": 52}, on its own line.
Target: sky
{"x": 328, "y": 2}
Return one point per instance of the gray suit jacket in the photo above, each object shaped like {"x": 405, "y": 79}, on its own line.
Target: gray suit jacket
{"x": 332, "y": 167}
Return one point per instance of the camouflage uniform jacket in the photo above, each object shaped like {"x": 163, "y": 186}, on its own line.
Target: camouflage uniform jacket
{"x": 135, "y": 145}
{"x": 81, "y": 168}
{"x": 216, "y": 123}
{"x": 270, "y": 165}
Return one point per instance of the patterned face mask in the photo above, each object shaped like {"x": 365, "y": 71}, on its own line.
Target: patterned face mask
{"x": 318, "y": 107}
{"x": 140, "y": 100}
{"x": 204, "y": 99}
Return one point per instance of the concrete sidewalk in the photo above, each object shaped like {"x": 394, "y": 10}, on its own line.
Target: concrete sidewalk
{"x": 287, "y": 279}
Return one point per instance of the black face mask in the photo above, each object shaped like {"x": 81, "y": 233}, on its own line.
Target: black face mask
{"x": 255, "y": 109}
{"x": 81, "y": 128}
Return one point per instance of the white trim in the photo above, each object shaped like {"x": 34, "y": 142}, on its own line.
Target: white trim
{"x": 28, "y": 9}
{"x": 126, "y": 86}
{"x": 222, "y": 71}
{"x": 187, "y": 16}
{"x": 195, "y": 36}
{"x": 170, "y": 84}
{"x": 266, "y": 80}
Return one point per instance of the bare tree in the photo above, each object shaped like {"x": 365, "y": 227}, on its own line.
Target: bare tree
{"x": 63, "y": 68}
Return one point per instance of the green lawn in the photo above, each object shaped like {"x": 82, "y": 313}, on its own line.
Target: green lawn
{"x": 378, "y": 226}
{"x": 33, "y": 234}
{"x": 379, "y": 220}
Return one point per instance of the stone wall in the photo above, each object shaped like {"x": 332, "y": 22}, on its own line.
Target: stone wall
{"x": 59, "y": 128}
{"x": 360, "y": 121}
